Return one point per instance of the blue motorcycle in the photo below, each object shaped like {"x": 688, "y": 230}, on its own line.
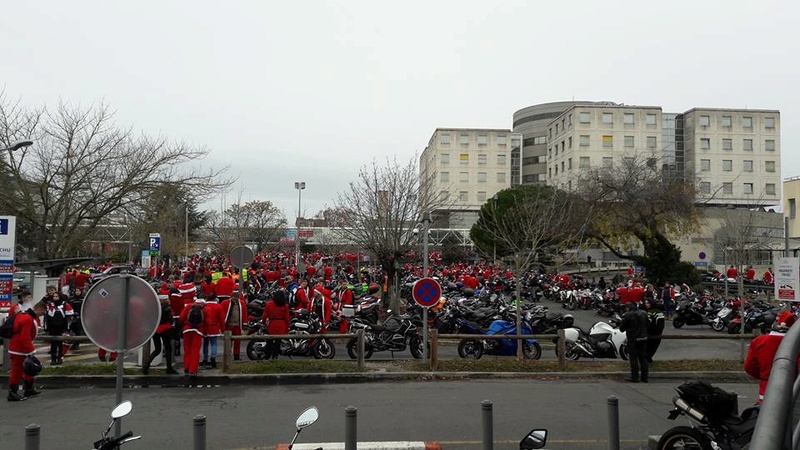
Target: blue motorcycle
{"x": 475, "y": 348}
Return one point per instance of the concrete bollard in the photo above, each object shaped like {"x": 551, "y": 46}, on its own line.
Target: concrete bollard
{"x": 350, "y": 425}
{"x": 32, "y": 440}
{"x": 199, "y": 432}
{"x": 613, "y": 423}
{"x": 488, "y": 425}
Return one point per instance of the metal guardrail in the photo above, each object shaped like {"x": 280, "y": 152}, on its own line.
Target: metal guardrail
{"x": 774, "y": 426}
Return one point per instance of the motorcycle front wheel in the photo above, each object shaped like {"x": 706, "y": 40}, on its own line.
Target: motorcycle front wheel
{"x": 734, "y": 328}
{"x": 678, "y": 322}
{"x": 352, "y": 349}
{"x": 470, "y": 348}
{"x": 416, "y": 346}
{"x": 683, "y": 438}
{"x": 256, "y": 350}
{"x": 570, "y": 305}
{"x": 531, "y": 350}
{"x": 623, "y": 352}
{"x": 717, "y": 325}
{"x": 323, "y": 349}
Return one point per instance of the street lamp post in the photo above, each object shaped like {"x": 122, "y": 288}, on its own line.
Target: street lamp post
{"x": 299, "y": 185}
{"x": 16, "y": 145}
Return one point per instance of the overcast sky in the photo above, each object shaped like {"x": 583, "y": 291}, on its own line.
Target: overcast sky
{"x": 311, "y": 90}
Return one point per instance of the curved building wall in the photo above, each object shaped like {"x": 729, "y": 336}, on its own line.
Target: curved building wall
{"x": 532, "y": 122}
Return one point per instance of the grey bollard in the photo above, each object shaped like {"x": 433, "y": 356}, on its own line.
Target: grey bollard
{"x": 488, "y": 430}
{"x": 32, "y": 437}
{"x": 199, "y": 432}
{"x": 613, "y": 423}
{"x": 350, "y": 423}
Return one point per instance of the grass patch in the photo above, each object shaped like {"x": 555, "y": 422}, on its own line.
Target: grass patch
{"x": 294, "y": 366}
{"x": 89, "y": 369}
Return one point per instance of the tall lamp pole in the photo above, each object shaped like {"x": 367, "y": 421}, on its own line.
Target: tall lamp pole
{"x": 299, "y": 185}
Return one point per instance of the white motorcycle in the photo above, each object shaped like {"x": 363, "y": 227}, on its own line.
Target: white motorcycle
{"x": 604, "y": 340}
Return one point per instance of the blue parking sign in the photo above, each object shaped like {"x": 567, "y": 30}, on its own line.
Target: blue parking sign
{"x": 3, "y": 227}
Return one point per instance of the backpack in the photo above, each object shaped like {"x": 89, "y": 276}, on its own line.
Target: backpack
{"x": 7, "y": 328}
{"x": 714, "y": 402}
{"x": 196, "y": 316}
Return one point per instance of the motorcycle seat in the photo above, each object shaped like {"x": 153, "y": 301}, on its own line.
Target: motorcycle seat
{"x": 377, "y": 328}
{"x": 553, "y": 316}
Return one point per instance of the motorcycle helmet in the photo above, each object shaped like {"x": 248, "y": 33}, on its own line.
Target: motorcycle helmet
{"x": 568, "y": 321}
{"x": 469, "y": 293}
{"x": 32, "y": 366}
{"x": 784, "y": 321}
{"x": 373, "y": 289}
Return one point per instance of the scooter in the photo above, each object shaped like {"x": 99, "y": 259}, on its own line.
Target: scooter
{"x": 306, "y": 419}
{"x": 604, "y": 340}
{"x": 113, "y": 443}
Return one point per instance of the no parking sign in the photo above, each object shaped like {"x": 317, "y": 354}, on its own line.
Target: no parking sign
{"x": 426, "y": 292}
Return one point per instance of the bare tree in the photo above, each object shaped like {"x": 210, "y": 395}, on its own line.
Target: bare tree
{"x": 258, "y": 222}
{"x": 382, "y": 207}
{"x": 524, "y": 222}
{"x": 83, "y": 169}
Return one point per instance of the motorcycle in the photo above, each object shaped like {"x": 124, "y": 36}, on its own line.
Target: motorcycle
{"x": 305, "y": 323}
{"x": 604, "y": 340}
{"x": 304, "y": 420}
{"x": 398, "y": 332}
{"x": 713, "y": 416}
{"x": 113, "y": 443}
{"x": 693, "y": 313}
{"x": 475, "y": 348}
{"x": 754, "y": 318}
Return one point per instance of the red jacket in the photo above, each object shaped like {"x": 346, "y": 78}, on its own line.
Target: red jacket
{"x": 186, "y": 326}
{"x": 758, "y": 363}
{"x": 21, "y": 343}
{"x": 226, "y": 311}
{"x": 277, "y": 318}
{"x": 213, "y": 319}
{"x": 225, "y": 287}
{"x": 303, "y": 298}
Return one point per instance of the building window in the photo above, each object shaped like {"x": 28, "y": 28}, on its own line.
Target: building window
{"x": 608, "y": 141}
{"x": 628, "y": 141}
{"x": 444, "y": 177}
{"x": 556, "y": 170}
{"x": 562, "y": 166}
{"x": 727, "y": 144}
{"x": 541, "y": 159}
{"x": 563, "y": 124}
{"x": 769, "y": 166}
{"x": 550, "y": 153}
{"x": 705, "y": 143}
{"x": 570, "y": 141}
{"x": 705, "y": 187}
{"x": 501, "y": 160}
{"x": 501, "y": 139}
{"x": 747, "y": 165}
{"x": 748, "y": 188}
{"x": 727, "y": 188}
{"x": 569, "y": 164}
{"x": 569, "y": 120}
{"x": 705, "y": 121}
{"x": 556, "y": 147}
{"x": 550, "y": 172}
{"x": 608, "y": 162}
{"x": 543, "y": 176}
{"x": 584, "y": 139}
{"x": 652, "y": 142}
{"x": 444, "y": 139}
{"x": 584, "y": 117}
{"x": 463, "y": 139}
{"x": 727, "y": 121}
{"x": 481, "y": 177}
{"x": 463, "y": 158}
{"x": 608, "y": 118}
{"x": 463, "y": 196}
{"x": 705, "y": 165}
{"x": 650, "y": 119}
{"x": 628, "y": 119}
{"x": 770, "y": 188}
{"x": 583, "y": 163}
{"x": 769, "y": 145}
{"x": 747, "y": 122}
{"x": 769, "y": 122}
{"x": 482, "y": 139}
{"x": 747, "y": 145}
{"x": 551, "y": 133}
{"x": 792, "y": 208}
{"x": 501, "y": 177}
{"x": 556, "y": 129}
{"x": 463, "y": 177}
{"x": 445, "y": 158}
{"x": 540, "y": 140}
{"x": 482, "y": 159}
{"x": 481, "y": 196}
{"x": 727, "y": 165}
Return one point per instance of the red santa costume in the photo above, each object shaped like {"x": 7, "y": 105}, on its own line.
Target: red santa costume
{"x": 758, "y": 363}
{"x": 234, "y": 313}
{"x": 192, "y": 339}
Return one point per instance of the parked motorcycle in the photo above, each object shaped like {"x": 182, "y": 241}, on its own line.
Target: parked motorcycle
{"x": 475, "y": 348}
{"x": 693, "y": 313}
{"x": 754, "y": 318}
{"x": 713, "y": 415}
{"x": 398, "y": 332}
{"x": 305, "y": 323}
{"x": 113, "y": 443}
{"x": 603, "y": 340}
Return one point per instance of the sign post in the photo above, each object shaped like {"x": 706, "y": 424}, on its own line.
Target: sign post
{"x": 155, "y": 249}
{"x": 787, "y": 279}
{"x": 8, "y": 228}
{"x": 426, "y": 293}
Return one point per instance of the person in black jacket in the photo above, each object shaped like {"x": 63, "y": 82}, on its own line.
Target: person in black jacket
{"x": 162, "y": 340}
{"x": 634, "y": 324}
{"x": 655, "y": 327}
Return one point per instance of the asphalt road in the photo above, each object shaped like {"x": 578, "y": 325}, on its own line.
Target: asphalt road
{"x": 574, "y": 412}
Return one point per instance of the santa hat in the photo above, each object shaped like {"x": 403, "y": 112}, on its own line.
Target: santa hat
{"x": 784, "y": 321}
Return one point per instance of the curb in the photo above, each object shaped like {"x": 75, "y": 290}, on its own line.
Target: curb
{"x": 388, "y": 445}
{"x": 212, "y": 379}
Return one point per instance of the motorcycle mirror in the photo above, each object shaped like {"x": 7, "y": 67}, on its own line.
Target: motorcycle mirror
{"x": 122, "y": 410}
{"x": 307, "y": 418}
{"x": 534, "y": 440}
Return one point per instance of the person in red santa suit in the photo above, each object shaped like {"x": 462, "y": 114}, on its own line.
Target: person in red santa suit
{"x": 303, "y": 296}
{"x": 768, "y": 276}
{"x": 235, "y": 312}
{"x": 276, "y": 317}
{"x": 19, "y": 347}
{"x": 323, "y": 306}
{"x": 214, "y": 322}
{"x": 750, "y": 274}
{"x": 224, "y": 287}
{"x": 192, "y": 340}
{"x": 758, "y": 363}
{"x": 732, "y": 272}
{"x": 345, "y": 298}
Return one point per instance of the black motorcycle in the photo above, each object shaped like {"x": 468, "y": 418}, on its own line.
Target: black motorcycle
{"x": 305, "y": 323}
{"x": 398, "y": 332}
{"x": 713, "y": 412}
{"x": 693, "y": 313}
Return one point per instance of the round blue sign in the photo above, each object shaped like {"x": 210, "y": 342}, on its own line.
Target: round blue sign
{"x": 426, "y": 292}
{"x": 702, "y": 255}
